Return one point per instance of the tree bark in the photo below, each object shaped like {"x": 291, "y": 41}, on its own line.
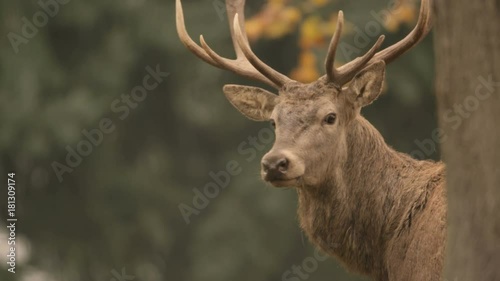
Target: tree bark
{"x": 467, "y": 43}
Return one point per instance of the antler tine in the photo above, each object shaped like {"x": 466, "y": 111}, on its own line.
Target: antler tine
{"x": 236, "y": 7}
{"x": 416, "y": 35}
{"x": 186, "y": 39}
{"x": 349, "y": 70}
{"x": 246, "y": 63}
{"x": 345, "y": 73}
{"x": 278, "y": 78}
{"x": 239, "y": 66}
{"x": 331, "y": 71}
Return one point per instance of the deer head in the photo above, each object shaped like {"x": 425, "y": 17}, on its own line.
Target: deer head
{"x": 311, "y": 120}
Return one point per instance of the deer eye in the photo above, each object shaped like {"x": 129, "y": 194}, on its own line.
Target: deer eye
{"x": 273, "y": 123}
{"x": 330, "y": 118}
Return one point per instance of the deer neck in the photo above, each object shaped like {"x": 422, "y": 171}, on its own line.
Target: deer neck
{"x": 364, "y": 202}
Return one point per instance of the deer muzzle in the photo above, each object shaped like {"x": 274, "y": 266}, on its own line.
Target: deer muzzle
{"x": 281, "y": 168}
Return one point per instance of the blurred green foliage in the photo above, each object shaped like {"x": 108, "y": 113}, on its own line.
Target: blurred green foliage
{"x": 119, "y": 208}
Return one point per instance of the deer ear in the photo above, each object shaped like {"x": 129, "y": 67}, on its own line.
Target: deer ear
{"x": 255, "y": 103}
{"x": 367, "y": 85}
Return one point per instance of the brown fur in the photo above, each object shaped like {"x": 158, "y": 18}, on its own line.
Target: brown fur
{"x": 383, "y": 215}
{"x": 380, "y": 212}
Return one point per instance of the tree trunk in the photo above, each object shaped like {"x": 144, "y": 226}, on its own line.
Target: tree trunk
{"x": 467, "y": 41}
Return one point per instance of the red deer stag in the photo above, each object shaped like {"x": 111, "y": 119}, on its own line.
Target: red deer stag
{"x": 380, "y": 212}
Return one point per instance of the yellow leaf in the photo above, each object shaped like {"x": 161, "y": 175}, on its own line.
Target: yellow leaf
{"x": 283, "y": 22}
{"x": 254, "y": 28}
{"x": 277, "y": 2}
{"x": 407, "y": 13}
{"x": 319, "y": 3}
{"x": 274, "y": 5}
{"x": 306, "y": 71}
{"x": 307, "y": 58}
{"x": 391, "y": 24}
{"x": 310, "y": 33}
{"x": 291, "y": 14}
{"x": 277, "y": 29}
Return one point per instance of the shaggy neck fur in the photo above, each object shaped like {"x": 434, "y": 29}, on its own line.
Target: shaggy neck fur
{"x": 371, "y": 199}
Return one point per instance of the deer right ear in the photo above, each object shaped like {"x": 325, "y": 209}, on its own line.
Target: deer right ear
{"x": 255, "y": 103}
{"x": 367, "y": 85}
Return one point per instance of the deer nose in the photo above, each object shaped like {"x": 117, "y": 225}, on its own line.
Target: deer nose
{"x": 274, "y": 167}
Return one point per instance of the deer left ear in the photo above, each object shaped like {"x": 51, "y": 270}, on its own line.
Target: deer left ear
{"x": 367, "y": 85}
{"x": 255, "y": 103}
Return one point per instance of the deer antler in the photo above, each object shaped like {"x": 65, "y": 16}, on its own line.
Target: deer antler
{"x": 345, "y": 73}
{"x": 246, "y": 64}
{"x": 342, "y": 75}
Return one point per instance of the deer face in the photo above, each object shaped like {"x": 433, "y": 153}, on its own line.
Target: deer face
{"x": 311, "y": 123}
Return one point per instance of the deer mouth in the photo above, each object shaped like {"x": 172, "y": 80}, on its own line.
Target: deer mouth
{"x": 282, "y": 168}
{"x": 285, "y": 182}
